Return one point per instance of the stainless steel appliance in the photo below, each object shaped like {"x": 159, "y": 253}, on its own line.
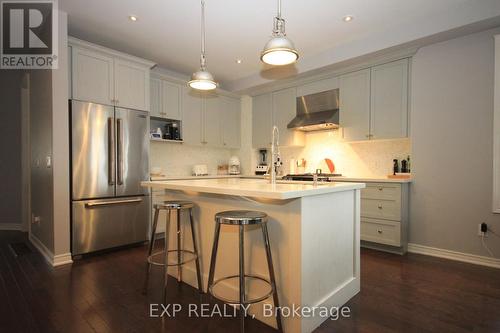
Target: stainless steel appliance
{"x": 262, "y": 167}
{"x": 109, "y": 159}
{"x": 322, "y": 177}
{"x": 319, "y": 111}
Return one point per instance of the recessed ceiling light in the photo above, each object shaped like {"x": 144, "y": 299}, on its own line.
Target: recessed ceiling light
{"x": 132, "y": 18}
{"x": 348, "y": 18}
{"x": 239, "y": 61}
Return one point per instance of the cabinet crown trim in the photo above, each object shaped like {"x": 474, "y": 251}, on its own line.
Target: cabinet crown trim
{"x": 72, "y": 41}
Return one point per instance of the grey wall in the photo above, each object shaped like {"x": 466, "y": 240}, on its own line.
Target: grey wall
{"x": 452, "y": 137}
{"x": 42, "y": 203}
{"x": 50, "y": 137}
{"x": 10, "y": 147}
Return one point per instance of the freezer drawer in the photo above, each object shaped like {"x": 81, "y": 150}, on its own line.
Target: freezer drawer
{"x": 107, "y": 223}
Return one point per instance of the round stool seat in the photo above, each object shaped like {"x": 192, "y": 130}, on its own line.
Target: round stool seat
{"x": 174, "y": 205}
{"x": 241, "y": 217}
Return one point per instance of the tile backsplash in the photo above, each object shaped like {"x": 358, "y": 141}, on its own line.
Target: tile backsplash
{"x": 177, "y": 159}
{"x": 358, "y": 159}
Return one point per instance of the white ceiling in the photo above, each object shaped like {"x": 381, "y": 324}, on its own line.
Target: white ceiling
{"x": 168, "y": 31}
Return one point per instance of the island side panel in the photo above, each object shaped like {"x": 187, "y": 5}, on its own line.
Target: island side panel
{"x": 284, "y": 233}
{"x": 330, "y": 233}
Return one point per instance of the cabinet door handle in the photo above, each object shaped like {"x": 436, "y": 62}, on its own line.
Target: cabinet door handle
{"x": 379, "y": 231}
{"x": 379, "y": 206}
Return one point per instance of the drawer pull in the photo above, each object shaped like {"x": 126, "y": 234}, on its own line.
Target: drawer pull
{"x": 380, "y": 188}
{"x": 379, "y": 231}
{"x": 379, "y": 206}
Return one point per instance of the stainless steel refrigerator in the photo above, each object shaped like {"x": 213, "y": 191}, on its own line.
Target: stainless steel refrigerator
{"x": 109, "y": 159}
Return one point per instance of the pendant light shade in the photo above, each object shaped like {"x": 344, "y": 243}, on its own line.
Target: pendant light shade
{"x": 279, "y": 50}
{"x": 202, "y": 79}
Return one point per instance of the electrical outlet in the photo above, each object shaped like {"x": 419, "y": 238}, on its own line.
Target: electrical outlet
{"x": 35, "y": 219}
{"x": 481, "y": 233}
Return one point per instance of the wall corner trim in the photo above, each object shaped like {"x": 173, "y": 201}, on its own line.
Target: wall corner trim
{"x": 54, "y": 261}
{"x": 453, "y": 255}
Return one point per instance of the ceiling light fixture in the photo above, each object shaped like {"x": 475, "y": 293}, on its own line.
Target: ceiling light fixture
{"x": 279, "y": 50}
{"x": 202, "y": 79}
{"x": 239, "y": 61}
{"x": 348, "y": 18}
{"x": 132, "y": 18}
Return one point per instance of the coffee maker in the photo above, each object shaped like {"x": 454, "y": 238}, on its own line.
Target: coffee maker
{"x": 262, "y": 167}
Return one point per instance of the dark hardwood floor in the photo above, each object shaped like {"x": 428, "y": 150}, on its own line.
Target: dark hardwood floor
{"x": 103, "y": 293}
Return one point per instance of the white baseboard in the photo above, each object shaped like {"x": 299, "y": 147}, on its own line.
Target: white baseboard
{"x": 453, "y": 255}
{"x": 58, "y": 260}
{"x": 11, "y": 226}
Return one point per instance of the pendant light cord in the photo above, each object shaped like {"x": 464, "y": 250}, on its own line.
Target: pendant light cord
{"x": 279, "y": 23}
{"x": 203, "y": 60}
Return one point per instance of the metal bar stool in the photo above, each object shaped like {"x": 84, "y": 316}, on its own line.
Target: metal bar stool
{"x": 169, "y": 207}
{"x": 241, "y": 218}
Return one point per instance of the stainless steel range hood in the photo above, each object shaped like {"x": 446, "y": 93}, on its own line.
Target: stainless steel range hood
{"x": 317, "y": 112}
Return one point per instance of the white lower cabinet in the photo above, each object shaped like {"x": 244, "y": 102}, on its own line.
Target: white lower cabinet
{"x": 384, "y": 216}
{"x": 381, "y": 231}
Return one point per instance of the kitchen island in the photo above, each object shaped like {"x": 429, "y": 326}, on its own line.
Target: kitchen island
{"x": 314, "y": 234}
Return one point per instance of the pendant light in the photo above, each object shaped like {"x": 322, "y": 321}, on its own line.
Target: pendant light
{"x": 202, "y": 79}
{"x": 279, "y": 50}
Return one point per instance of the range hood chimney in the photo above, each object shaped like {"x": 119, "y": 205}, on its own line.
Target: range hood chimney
{"x": 316, "y": 112}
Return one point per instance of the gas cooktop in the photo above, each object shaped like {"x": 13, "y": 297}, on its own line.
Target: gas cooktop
{"x": 322, "y": 177}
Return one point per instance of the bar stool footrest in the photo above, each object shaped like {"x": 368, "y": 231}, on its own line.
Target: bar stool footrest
{"x": 161, "y": 262}
{"x": 247, "y": 301}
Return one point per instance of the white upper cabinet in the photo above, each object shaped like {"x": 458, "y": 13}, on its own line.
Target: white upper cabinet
{"x": 389, "y": 100}
{"x": 155, "y": 103}
{"x": 192, "y": 111}
{"x": 171, "y": 100}
{"x": 105, "y": 76}
{"x": 284, "y": 110}
{"x": 92, "y": 76}
{"x": 262, "y": 120}
{"x": 277, "y": 108}
{"x": 212, "y": 121}
{"x": 165, "y": 97}
{"x": 231, "y": 122}
{"x": 374, "y": 102}
{"x": 355, "y": 105}
{"x": 131, "y": 85}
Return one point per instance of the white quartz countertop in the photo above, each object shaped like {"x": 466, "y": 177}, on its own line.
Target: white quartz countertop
{"x": 339, "y": 179}
{"x": 256, "y": 188}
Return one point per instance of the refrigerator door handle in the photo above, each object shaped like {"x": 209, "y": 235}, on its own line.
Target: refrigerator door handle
{"x": 119, "y": 135}
{"x": 111, "y": 152}
{"x": 113, "y": 202}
